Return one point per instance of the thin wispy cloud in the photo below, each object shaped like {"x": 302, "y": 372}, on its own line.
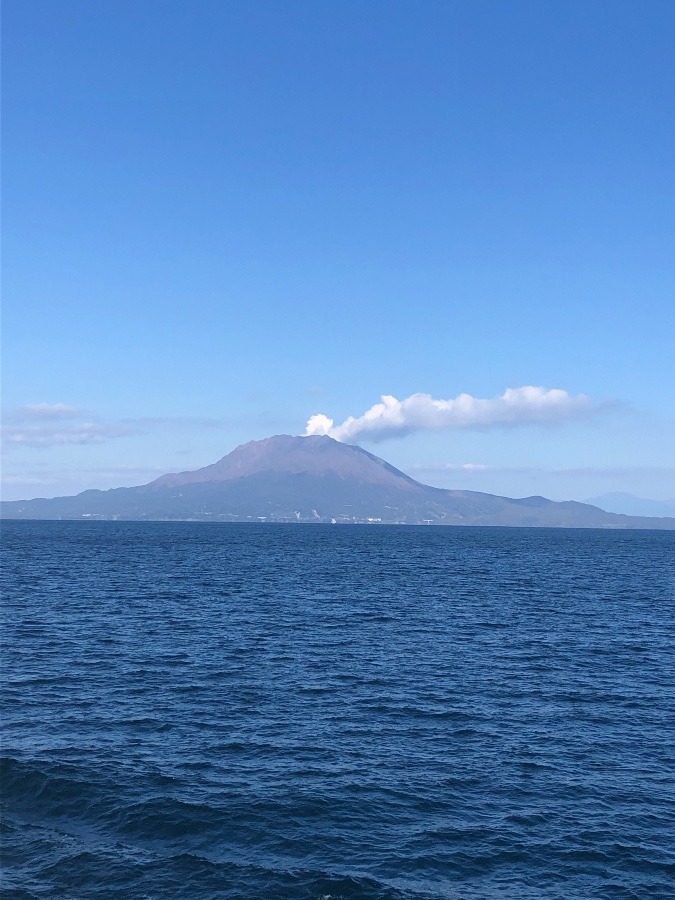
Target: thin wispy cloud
{"x": 418, "y": 469}
{"x": 421, "y": 412}
{"x": 48, "y": 476}
{"x": 176, "y": 422}
{"x": 77, "y": 433}
{"x": 58, "y": 424}
{"x": 451, "y": 467}
{"x": 44, "y": 425}
{"x": 41, "y": 412}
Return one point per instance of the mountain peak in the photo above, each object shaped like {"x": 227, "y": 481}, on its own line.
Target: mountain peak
{"x": 284, "y": 454}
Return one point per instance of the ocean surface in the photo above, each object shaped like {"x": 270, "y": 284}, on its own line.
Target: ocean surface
{"x": 270, "y": 711}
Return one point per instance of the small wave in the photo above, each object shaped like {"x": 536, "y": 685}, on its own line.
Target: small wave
{"x": 53, "y": 789}
{"x": 113, "y": 874}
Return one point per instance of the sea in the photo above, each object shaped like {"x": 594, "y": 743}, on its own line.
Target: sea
{"x": 312, "y": 711}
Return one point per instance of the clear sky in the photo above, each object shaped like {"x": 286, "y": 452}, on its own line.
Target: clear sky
{"x": 223, "y": 218}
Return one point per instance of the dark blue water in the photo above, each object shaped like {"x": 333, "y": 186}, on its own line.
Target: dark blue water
{"x": 237, "y": 711}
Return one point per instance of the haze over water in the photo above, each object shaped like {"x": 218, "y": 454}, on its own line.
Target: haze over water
{"x": 294, "y": 711}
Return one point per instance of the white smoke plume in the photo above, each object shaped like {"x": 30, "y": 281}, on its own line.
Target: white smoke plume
{"x": 420, "y": 412}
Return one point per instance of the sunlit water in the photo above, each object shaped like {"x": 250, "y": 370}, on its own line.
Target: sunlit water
{"x": 276, "y": 711}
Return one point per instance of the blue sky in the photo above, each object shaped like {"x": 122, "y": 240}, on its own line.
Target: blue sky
{"x": 224, "y": 218}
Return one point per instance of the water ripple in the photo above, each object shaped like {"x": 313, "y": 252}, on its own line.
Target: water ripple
{"x": 315, "y": 712}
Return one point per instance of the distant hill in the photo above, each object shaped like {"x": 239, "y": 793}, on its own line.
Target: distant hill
{"x": 619, "y": 502}
{"x": 314, "y": 479}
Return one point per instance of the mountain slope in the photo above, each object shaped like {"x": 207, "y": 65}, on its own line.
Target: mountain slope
{"x": 283, "y": 454}
{"x": 620, "y": 502}
{"x": 313, "y": 479}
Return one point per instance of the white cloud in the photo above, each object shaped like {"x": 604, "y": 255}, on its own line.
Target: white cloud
{"x": 49, "y": 476}
{"x": 52, "y": 436}
{"x": 42, "y": 411}
{"x": 452, "y": 467}
{"x": 420, "y": 412}
{"x": 56, "y": 424}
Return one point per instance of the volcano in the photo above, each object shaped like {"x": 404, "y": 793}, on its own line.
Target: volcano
{"x": 314, "y": 479}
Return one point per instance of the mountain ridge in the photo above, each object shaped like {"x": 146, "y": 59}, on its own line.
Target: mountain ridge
{"x": 314, "y": 479}
{"x": 631, "y": 505}
{"x": 281, "y": 453}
